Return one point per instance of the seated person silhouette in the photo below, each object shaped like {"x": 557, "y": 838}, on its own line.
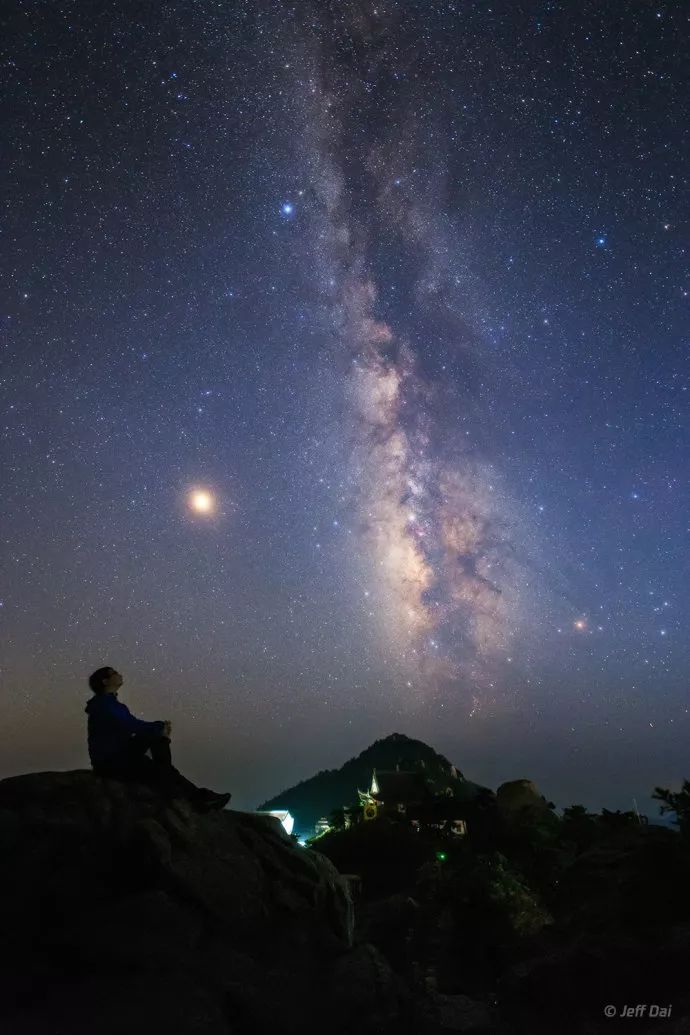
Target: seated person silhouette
{"x": 120, "y": 746}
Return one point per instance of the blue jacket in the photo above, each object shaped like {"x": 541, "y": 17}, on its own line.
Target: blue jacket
{"x": 111, "y": 724}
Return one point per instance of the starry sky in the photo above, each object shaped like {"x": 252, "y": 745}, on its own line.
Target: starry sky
{"x": 343, "y": 385}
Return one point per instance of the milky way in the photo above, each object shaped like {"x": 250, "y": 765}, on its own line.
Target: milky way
{"x": 435, "y": 550}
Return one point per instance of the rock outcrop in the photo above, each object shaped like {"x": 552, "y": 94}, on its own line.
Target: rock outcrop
{"x": 122, "y": 913}
{"x": 520, "y": 797}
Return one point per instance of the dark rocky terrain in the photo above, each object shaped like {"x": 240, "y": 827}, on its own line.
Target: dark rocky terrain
{"x": 122, "y": 914}
{"x": 119, "y": 914}
{"x": 536, "y": 922}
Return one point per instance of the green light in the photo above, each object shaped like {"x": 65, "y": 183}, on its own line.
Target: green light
{"x": 441, "y": 856}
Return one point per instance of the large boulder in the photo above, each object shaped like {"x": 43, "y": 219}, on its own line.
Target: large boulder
{"x": 120, "y": 912}
{"x": 520, "y": 798}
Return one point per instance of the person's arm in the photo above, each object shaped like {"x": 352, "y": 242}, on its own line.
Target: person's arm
{"x": 121, "y": 713}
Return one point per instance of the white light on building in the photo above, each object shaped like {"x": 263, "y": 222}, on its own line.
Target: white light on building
{"x": 287, "y": 820}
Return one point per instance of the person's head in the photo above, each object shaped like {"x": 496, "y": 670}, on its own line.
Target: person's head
{"x": 105, "y": 681}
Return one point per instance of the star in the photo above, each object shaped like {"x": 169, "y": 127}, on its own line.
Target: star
{"x": 201, "y": 501}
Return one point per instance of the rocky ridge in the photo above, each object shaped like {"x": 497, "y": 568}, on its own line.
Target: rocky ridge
{"x": 122, "y": 913}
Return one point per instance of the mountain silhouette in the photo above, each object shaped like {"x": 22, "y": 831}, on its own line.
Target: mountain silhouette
{"x": 330, "y": 789}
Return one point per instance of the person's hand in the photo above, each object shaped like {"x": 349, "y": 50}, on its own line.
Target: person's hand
{"x": 167, "y": 728}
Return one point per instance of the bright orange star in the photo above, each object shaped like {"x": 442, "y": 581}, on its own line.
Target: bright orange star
{"x": 201, "y": 501}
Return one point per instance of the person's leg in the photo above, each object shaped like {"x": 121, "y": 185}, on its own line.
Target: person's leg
{"x": 170, "y": 780}
{"x": 129, "y": 767}
{"x": 135, "y": 766}
{"x": 160, "y": 751}
{"x": 175, "y": 785}
{"x": 158, "y": 746}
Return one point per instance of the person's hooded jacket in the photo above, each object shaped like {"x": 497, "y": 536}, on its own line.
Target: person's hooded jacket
{"x": 110, "y": 726}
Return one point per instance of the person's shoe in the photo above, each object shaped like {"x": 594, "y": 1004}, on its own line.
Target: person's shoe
{"x": 207, "y": 800}
{"x": 219, "y": 801}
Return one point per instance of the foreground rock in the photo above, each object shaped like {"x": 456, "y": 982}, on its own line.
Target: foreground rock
{"x": 120, "y": 913}
{"x": 567, "y": 990}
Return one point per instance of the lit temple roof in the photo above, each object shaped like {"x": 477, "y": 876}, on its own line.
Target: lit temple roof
{"x": 393, "y": 787}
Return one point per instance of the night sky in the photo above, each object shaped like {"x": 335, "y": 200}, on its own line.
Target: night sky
{"x": 343, "y": 385}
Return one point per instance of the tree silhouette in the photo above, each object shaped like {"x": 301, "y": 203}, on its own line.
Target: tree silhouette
{"x": 677, "y": 803}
